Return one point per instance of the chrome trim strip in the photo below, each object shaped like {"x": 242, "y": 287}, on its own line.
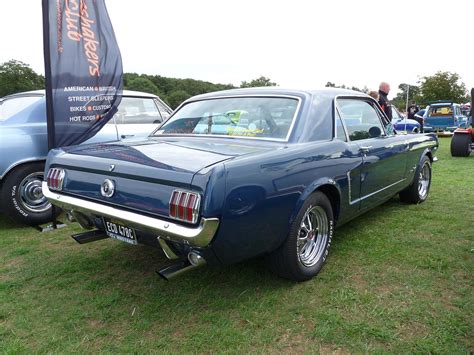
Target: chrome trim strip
{"x": 369, "y": 195}
{"x": 199, "y": 236}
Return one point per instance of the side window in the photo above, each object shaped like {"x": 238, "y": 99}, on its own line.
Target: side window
{"x": 340, "y": 134}
{"x": 137, "y": 110}
{"x": 360, "y": 118}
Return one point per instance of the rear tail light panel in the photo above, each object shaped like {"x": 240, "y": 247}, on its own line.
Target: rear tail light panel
{"x": 55, "y": 179}
{"x": 184, "y": 206}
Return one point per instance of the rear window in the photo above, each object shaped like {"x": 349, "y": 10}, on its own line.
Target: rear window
{"x": 257, "y": 117}
{"x": 440, "y": 111}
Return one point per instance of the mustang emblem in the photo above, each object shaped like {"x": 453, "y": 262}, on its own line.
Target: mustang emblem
{"x": 107, "y": 188}
{"x": 111, "y": 167}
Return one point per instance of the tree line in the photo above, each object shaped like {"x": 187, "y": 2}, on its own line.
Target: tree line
{"x": 16, "y": 76}
{"x": 440, "y": 86}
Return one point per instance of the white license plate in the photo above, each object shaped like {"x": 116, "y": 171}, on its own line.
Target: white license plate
{"x": 120, "y": 232}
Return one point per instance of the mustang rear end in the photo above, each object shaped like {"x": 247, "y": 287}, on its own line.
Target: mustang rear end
{"x": 157, "y": 205}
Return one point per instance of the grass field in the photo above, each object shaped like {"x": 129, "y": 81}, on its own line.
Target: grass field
{"x": 398, "y": 279}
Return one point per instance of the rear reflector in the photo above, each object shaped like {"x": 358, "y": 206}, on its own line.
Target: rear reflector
{"x": 55, "y": 179}
{"x": 184, "y": 206}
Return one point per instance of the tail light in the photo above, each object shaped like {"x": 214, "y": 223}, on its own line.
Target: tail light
{"x": 184, "y": 206}
{"x": 55, "y": 178}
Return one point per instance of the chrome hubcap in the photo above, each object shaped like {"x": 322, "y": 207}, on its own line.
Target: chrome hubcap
{"x": 31, "y": 196}
{"x": 312, "y": 236}
{"x": 424, "y": 180}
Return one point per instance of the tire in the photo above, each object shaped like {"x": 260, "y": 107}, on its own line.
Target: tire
{"x": 300, "y": 258}
{"x": 21, "y": 196}
{"x": 419, "y": 189}
{"x": 461, "y": 145}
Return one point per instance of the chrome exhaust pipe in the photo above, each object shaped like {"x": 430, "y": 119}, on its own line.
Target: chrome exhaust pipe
{"x": 193, "y": 261}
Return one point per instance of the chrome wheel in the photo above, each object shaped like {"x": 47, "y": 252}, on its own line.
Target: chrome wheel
{"x": 30, "y": 194}
{"x": 312, "y": 236}
{"x": 424, "y": 180}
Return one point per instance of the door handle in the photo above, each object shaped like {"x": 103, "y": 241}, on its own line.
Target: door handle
{"x": 365, "y": 149}
{"x": 127, "y": 136}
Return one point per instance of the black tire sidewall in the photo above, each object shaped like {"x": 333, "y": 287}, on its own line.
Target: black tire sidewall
{"x": 460, "y": 144}
{"x": 11, "y": 203}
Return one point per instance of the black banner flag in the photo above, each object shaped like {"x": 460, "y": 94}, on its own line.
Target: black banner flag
{"x": 83, "y": 69}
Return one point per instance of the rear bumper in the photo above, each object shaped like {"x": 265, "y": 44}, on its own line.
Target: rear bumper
{"x": 198, "y": 236}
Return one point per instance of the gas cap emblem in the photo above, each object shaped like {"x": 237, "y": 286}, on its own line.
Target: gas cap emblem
{"x": 107, "y": 188}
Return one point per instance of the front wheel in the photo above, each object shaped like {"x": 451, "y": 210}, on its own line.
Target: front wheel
{"x": 418, "y": 191}
{"x": 21, "y": 196}
{"x": 304, "y": 252}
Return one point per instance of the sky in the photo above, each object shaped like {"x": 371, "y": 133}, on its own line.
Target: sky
{"x": 297, "y": 44}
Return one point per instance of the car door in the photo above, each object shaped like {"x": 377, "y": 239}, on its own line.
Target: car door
{"x": 384, "y": 156}
{"x": 137, "y": 117}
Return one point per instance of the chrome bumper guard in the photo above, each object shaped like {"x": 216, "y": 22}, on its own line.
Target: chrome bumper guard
{"x": 199, "y": 236}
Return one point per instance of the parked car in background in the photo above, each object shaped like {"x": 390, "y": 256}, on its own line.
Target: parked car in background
{"x": 444, "y": 117}
{"x": 403, "y": 124}
{"x": 24, "y": 147}
{"x": 209, "y": 188}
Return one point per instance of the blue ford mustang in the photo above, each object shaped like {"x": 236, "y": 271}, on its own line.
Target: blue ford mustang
{"x": 242, "y": 173}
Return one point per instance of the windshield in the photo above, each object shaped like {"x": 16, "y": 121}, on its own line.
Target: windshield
{"x": 10, "y": 107}
{"x": 260, "y": 117}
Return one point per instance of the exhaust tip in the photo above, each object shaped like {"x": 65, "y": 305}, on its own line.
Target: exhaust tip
{"x": 193, "y": 261}
{"x": 196, "y": 259}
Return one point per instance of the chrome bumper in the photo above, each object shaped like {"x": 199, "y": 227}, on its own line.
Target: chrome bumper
{"x": 199, "y": 236}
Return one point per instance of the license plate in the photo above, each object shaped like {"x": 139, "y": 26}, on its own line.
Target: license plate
{"x": 118, "y": 231}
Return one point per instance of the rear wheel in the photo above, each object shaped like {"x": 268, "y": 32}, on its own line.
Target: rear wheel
{"x": 21, "y": 196}
{"x": 461, "y": 145}
{"x": 304, "y": 252}
{"x": 418, "y": 191}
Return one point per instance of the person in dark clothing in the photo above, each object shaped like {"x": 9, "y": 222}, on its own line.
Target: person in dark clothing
{"x": 412, "y": 110}
{"x": 384, "y": 89}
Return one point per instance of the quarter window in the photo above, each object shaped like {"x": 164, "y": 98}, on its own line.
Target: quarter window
{"x": 360, "y": 118}
{"x": 340, "y": 134}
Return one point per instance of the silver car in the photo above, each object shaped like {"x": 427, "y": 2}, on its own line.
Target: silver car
{"x": 24, "y": 147}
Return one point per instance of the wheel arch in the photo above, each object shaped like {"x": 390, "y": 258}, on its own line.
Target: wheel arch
{"x": 329, "y": 188}
{"x": 20, "y": 163}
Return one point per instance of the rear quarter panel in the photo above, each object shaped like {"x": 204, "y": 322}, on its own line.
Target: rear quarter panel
{"x": 263, "y": 194}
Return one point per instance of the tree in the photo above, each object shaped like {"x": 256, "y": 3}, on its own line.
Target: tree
{"x": 414, "y": 94}
{"x": 175, "y": 98}
{"x": 365, "y": 89}
{"x": 443, "y": 86}
{"x": 142, "y": 84}
{"x": 261, "y": 81}
{"x": 16, "y": 76}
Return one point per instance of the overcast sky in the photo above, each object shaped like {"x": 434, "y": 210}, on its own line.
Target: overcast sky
{"x": 298, "y": 44}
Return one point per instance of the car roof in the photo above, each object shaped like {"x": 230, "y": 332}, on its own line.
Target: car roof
{"x": 326, "y": 92}
{"x": 42, "y": 92}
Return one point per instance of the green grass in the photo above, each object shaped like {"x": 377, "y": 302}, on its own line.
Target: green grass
{"x": 398, "y": 279}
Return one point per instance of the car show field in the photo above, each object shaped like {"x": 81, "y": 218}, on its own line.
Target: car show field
{"x": 398, "y": 279}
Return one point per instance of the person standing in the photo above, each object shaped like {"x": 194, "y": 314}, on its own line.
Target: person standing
{"x": 384, "y": 89}
{"x": 412, "y": 110}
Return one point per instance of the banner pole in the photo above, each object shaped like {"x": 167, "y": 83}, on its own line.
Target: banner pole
{"x": 48, "y": 89}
